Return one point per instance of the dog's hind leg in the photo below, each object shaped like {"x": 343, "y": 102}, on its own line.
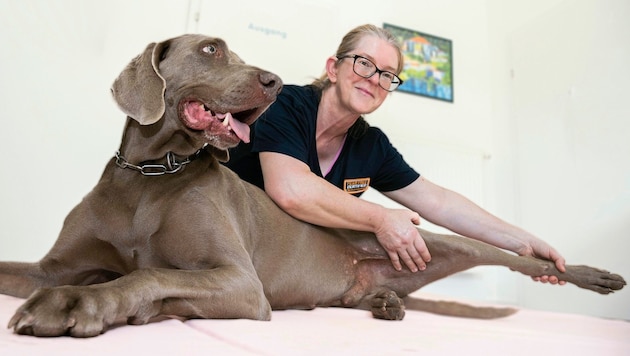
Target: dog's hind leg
{"x": 377, "y": 280}
{"x": 453, "y": 254}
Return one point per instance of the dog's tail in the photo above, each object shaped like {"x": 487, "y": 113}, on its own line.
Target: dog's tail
{"x": 450, "y": 308}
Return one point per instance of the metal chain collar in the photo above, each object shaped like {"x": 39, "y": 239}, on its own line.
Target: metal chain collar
{"x": 173, "y": 165}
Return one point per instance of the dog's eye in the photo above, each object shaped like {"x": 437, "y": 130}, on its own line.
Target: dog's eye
{"x": 210, "y": 49}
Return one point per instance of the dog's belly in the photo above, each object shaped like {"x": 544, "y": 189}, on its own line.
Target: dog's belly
{"x": 316, "y": 266}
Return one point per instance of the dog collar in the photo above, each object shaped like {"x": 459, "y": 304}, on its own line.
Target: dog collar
{"x": 173, "y": 164}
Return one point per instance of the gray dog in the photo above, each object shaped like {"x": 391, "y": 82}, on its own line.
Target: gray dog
{"x": 169, "y": 231}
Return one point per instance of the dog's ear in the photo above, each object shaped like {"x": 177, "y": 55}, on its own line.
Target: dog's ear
{"x": 139, "y": 89}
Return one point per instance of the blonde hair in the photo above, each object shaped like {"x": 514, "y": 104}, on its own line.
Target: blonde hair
{"x": 350, "y": 42}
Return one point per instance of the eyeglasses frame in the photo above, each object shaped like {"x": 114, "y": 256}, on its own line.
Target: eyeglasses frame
{"x": 376, "y": 70}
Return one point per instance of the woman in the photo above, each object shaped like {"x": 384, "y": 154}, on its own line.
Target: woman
{"x": 314, "y": 154}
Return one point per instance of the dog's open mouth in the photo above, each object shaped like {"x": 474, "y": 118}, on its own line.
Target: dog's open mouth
{"x": 197, "y": 116}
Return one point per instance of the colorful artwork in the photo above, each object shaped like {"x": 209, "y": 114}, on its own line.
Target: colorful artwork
{"x": 428, "y": 66}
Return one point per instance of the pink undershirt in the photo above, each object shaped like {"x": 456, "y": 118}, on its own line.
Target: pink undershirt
{"x": 337, "y": 155}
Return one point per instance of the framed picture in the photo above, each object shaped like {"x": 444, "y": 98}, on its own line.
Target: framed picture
{"x": 428, "y": 63}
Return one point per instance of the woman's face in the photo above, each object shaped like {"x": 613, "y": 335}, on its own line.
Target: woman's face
{"x": 364, "y": 95}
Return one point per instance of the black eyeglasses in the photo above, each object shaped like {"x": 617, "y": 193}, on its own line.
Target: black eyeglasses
{"x": 365, "y": 68}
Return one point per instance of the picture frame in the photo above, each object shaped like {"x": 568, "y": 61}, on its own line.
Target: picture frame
{"x": 428, "y": 63}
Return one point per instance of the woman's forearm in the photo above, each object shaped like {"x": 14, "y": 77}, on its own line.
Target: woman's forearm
{"x": 310, "y": 198}
{"x": 455, "y": 212}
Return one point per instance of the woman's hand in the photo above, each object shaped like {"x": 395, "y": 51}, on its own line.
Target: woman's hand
{"x": 540, "y": 249}
{"x": 400, "y": 238}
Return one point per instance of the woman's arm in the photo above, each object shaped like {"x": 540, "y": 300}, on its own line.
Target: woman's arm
{"x": 460, "y": 215}
{"x": 306, "y": 196}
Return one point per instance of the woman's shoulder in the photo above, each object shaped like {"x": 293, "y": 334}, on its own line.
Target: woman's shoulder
{"x": 374, "y": 133}
{"x": 293, "y": 107}
{"x": 295, "y": 100}
{"x": 298, "y": 93}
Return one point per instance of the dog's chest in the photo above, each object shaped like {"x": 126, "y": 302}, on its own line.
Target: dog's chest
{"x": 133, "y": 222}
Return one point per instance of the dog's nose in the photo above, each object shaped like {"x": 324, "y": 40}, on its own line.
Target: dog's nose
{"x": 271, "y": 82}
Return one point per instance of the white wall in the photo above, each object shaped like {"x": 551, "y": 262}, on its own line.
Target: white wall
{"x": 567, "y": 83}
{"x": 60, "y": 57}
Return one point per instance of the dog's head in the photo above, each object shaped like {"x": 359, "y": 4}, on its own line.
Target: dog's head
{"x": 213, "y": 94}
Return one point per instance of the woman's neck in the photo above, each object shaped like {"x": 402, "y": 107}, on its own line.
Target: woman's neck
{"x": 333, "y": 124}
{"x": 333, "y": 120}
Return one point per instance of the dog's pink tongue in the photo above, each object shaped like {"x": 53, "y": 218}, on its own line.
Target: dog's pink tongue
{"x": 240, "y": 129}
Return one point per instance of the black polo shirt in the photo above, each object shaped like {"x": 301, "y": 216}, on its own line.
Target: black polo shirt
{"x": 288, "y": 127}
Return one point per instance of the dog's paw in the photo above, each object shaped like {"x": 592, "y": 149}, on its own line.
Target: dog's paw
{"x": 387, "y": 305}
{"x": 68, "y": 310}
{"x": 597, "y": 280}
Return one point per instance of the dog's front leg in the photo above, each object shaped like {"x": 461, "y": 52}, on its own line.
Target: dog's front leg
{"x": 78, "y": 256}
{"x": 85, "y": 311}
{"x": 20, "y": 279}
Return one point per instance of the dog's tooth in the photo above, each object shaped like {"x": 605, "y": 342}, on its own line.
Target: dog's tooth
{"x": 226, "y": 121}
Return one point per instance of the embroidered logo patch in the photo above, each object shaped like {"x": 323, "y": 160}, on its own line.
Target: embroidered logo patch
{"x": 356, "y": 185}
